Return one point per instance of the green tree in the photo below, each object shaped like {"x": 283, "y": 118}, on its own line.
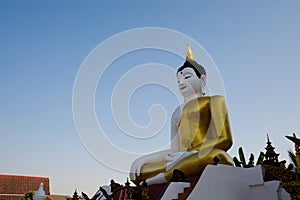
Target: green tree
{"x": 293, "y": 158}
{"x": 242, "y": 161}
{"x": 29, "y": 195}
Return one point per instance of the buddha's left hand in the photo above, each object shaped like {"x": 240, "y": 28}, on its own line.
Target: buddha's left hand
{"x": 178, "y": 155}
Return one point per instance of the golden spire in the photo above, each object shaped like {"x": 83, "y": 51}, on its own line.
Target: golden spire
{"x": 189, "y": 54}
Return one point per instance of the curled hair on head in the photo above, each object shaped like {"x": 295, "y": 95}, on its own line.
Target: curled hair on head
{"x": 199, "y": 70}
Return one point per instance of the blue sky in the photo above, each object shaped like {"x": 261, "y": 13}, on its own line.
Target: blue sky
{"x": 255, "y": 45}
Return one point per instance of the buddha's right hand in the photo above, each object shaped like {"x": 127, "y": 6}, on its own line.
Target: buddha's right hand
{"x": 135, "y": 169}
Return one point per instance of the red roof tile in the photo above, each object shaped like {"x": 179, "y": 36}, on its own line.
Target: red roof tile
{"x": 13, "y": 184}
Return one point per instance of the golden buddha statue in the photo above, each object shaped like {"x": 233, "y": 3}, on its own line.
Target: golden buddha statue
{"x": 200, "y": 133}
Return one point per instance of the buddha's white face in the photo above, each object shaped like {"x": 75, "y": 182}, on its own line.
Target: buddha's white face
{"x": 190, "y": 85}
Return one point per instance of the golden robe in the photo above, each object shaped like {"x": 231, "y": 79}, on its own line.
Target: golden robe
{"x": 204, "y": 131}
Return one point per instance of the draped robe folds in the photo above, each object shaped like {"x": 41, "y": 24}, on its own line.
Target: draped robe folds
{"x": 203, "y": 133}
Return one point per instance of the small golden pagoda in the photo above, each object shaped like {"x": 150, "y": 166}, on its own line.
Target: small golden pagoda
{"x": 290, "y": 180}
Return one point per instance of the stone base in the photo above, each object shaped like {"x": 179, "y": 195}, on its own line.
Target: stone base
{"x": 218, "y": 182}
{"x": 224, "y": 182}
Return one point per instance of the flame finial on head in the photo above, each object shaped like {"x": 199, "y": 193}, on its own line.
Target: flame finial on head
{"x": 189, "y": 54}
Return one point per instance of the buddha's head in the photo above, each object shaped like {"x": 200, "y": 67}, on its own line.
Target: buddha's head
{"x": 191, "y": 77}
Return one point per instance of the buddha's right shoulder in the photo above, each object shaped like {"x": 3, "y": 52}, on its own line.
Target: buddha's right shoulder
{"x": 177, "y": 112}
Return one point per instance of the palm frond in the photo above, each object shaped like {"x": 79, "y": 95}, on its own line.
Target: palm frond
{"x": 260, "y": 158}
{"x": 292, "y": 157}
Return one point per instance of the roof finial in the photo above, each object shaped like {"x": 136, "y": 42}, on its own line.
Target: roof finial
{"x": 189, "y": 54}
{"x": 268, "y": 139}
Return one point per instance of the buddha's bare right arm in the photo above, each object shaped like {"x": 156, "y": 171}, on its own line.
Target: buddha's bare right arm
{"x": 160, "y": 156}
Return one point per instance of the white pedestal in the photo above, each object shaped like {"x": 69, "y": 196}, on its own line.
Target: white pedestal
{"x": 224, "y": 182}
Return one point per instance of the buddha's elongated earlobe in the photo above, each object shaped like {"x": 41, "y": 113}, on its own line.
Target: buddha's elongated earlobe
{"x": 203, "y": 84}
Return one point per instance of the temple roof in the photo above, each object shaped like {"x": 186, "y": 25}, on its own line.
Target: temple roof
{"x": 14, "y": 184}
{"x": 270, "y": 149}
